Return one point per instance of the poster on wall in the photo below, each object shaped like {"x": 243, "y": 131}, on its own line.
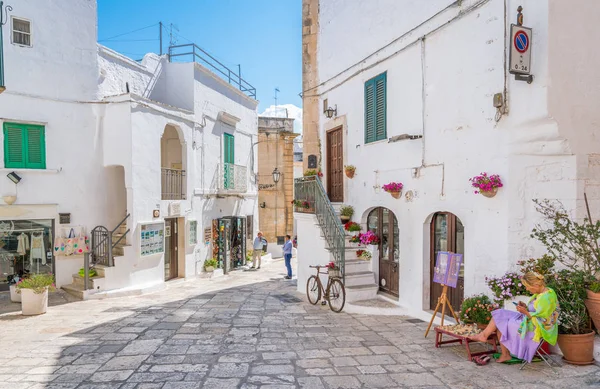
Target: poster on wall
{"x": 207, "y": 235}
{"x": 193, "y": 232}
{"x": 152, "y": 239}
{"x": 447, "y": 268}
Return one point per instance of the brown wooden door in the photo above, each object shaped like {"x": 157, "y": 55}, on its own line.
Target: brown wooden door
{"x": 383, "y": 222}
{"x": 335, "y": 166}
{"x": 171, "y": 268}
{"x": 447, "y": 234}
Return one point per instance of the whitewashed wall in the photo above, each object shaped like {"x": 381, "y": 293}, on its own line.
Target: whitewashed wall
{"x": 442, "y": 87}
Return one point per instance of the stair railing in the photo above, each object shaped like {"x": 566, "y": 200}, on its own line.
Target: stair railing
{"x": 102, "y": 243}
{"x": 311, "y": 189}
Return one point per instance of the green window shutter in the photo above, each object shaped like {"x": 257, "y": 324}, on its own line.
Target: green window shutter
{"x": 380, "y": 107}
{"x": 14, "y": 146}
{"x": 229, "y": 149}
{"x": 36, "y": 148}
{"x": 369, "y": 111}
{"x": 24, "y": 146}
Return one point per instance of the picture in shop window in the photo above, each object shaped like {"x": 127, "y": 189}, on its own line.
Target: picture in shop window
{"x": 25, "y": 248}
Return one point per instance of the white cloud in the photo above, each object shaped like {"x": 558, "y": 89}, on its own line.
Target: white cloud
{"x": 292, "y": 112}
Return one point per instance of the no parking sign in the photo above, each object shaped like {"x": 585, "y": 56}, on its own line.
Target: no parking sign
{"x": 520, "y": 49}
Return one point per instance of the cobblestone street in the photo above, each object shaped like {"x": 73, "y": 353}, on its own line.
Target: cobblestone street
{"x": 247, "y": 330}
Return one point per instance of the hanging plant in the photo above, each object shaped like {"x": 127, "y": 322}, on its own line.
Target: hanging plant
{"x": 486, "y": 185}
{"x": 394, "y": 188}
{"x": 349, "y": 169}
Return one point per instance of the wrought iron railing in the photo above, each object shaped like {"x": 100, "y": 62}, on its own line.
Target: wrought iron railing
{"x": 311, "y": 189}
{"x": 203, "y": 58}
{"x": 103, "y": 244}
{"x": 233, "y": 178}
{"x": 173, "y": 184}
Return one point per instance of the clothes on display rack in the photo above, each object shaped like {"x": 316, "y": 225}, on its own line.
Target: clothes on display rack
{"x": 23, "y": 244}
{"x": 38, "y": 250}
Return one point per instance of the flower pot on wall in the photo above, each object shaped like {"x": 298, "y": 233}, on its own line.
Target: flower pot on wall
{"x": 489, "y": 193}
{"x": 396, "y": 195}
{"x": 592, "y": 304}
{"x": 14, "y": 296}
{"x": 34, "y": 303}
{"x": 577, "y": 349}
{"x": 350, "y": 174}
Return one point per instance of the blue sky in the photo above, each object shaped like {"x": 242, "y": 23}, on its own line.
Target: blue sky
{"x": 264, "y": 36}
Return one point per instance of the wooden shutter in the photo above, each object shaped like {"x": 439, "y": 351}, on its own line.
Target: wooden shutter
{"x": 36, "y": 153}
{"x": 380, "y": 107}
{"x": 369, "y": 111}
{"x": 14, "y": 146}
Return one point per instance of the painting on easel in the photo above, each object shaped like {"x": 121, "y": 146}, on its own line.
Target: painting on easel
{"x": 447, "y": 268}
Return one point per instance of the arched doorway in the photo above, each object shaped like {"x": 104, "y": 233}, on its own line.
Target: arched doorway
{"x": 384, "y": 224}
{"x": 447, "y": 234}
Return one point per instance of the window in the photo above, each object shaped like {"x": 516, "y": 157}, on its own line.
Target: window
{"x": 24, "y": 146}
{"x": 375, "y": 109}
{"x": 228, "y": 161}
{"x": 21, "y": 32}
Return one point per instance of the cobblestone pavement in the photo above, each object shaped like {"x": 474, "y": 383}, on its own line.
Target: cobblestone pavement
{"x": 247, "y": 330}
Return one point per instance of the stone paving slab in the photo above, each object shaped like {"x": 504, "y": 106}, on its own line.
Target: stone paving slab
{"x": 247, "y": 330}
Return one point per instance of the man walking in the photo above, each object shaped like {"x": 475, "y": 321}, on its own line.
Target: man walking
{"x": 287, "y": 255}
{"x": 257, "y": 248}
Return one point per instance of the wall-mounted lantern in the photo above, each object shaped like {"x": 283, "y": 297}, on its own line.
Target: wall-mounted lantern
{"x": 331, "y": 112}
{"x": 276, "y": 175}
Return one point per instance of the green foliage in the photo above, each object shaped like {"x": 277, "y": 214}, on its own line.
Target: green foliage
{"x": 506, "y": 287}
{"x": 249, "y": 254}
{"x": 347, "y": 210}
{"x": 38, "y": 283}
{"x": 543, "y": 266}
{"x": 477, "y": 309}
{"x": 210, "y": 263}
{"x": 92, "y": 272}
{"x": 569, "y": 286}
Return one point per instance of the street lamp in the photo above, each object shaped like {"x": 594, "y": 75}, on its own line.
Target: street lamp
{"x": 276, "y": 175}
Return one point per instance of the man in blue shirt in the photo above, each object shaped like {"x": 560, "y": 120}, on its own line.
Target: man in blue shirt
{"x": 287, "y": 256}
{"x": 257, "y": 248}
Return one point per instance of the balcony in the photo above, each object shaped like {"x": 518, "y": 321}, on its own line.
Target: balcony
{"x": 173, "y": 184}
{"x": 232, "y": 178}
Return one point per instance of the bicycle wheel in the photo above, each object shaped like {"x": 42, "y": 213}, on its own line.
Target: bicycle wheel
{"x": 313, "y": 292}
{"x": 336, "y": 295}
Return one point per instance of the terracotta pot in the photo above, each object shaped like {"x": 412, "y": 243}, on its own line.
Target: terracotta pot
{"x": 577, "y": 349}
{"x": 33, "y": 303}
{"x": 350, "y": 173}
{"x": 489, "y": 193}
{"x": 345, "y": 219}
{"x": 593, "y": 306}
{"x": 396, "y": 195}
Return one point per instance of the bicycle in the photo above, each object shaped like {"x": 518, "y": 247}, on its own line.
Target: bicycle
{"x": 335, "y": 293}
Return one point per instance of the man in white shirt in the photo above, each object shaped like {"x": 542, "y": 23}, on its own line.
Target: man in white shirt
{"x": 257, "y": 248}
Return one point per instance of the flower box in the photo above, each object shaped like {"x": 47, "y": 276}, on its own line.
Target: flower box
{"x": 394, "y": 189}
{"x": 486, "y": 185}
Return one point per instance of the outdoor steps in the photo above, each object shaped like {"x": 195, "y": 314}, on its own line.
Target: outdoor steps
{"x": 360, "y": 278}
{"x": 76, "y": 288}
{"x": 361, "y": 292}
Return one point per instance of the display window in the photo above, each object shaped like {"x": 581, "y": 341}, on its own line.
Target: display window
{"x": 25, "y": 248}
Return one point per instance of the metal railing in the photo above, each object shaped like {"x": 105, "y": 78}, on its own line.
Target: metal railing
{"x": 232, "y": 178}
{"x": 203, "y": 58}
{"x": 103, "y": 245}
{"x": 173, "y": 184}
{"x": 311, "y": 189}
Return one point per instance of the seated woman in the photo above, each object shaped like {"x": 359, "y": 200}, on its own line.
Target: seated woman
{"x": 520, "y": 333}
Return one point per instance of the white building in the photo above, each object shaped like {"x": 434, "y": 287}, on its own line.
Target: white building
{"x": 435, "y": 67}
{"x": 165, "y": 148}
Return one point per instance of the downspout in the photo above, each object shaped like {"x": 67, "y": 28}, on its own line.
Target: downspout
{"x": 3, "y": 21}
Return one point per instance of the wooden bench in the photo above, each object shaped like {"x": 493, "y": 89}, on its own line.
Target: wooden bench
{"x": 463, "y": 340}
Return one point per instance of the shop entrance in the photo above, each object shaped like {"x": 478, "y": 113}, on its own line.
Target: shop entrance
{"x": 383, "y": 223}
{"x": 171, "y": 252}
{"x": 231, "y": 242}
{"x": 26, "y": 247}
{"x": 447, "y": 234}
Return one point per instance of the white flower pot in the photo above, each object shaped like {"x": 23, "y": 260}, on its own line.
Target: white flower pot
{"x": 33, "y": 303}
{"x": 508, "y": 304}
{"x": 14, "y": 296}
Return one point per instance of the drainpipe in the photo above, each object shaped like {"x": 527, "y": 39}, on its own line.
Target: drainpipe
{"x": 3, "y": 21}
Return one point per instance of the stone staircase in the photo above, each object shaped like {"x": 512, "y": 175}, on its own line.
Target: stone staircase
{"x": 97, "y": 283}
{"x": 360, "y": 280}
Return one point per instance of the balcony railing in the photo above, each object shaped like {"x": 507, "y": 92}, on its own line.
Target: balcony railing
{"x": 173, "y": 184}
{"x": 232, "y": 178}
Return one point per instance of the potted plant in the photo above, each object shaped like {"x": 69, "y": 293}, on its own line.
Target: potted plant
{"x": 507, "y": 289}
{"x": 249, "y": 254}
{"x": 477, "y": 310}
{"x": 575, "y": 338}
{"x": 486, "y": 185}
{"x": 355, "y": 240}
{"x": 13, "y": 280}
{"x": 350, "y": 170}
{"x": 394, "y": 188}
{"x": 364, "y": 254}
{"x": 352, "y": 227}
{"x": 369, "y": 238}
{"x": 34, "y": 293}
{"x": 313, "y": 172}
{"x": 346, "y": 212}
{"x": 209, "y": 265}
{"x": 333, "y": 270}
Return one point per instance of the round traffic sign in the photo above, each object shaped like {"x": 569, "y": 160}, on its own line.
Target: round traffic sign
{"x": 521, "y": 41}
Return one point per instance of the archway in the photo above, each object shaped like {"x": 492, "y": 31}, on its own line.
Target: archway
{"x": 447, "y": 234}
{"x": 172, "y": 165}
{"x": 384, "y": 224}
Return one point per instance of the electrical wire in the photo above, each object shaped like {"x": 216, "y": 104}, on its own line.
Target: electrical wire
{"x": 127, "y": 33}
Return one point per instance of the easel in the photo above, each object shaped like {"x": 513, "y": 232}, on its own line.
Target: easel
{"x": 443, "y": 301}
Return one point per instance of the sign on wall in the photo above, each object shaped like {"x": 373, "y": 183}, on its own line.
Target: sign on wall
{"x": 207, "y": 235}
{"x": 520, "y": 49}
{"x": 152, "y": 238}
{"x": 193, "y": 232}
{"x": 312, "y": 161}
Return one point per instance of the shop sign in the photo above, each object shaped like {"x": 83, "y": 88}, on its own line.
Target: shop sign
{"x": 152, "y": 238}
{"x": 174, "y": 209}
{"x": 64, "y": 218}
{"x": 207, "y": 235}
{"x": 193, "y": 232}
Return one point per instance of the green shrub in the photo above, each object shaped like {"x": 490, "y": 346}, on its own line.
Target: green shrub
{"x": 38, "y": 283}
{"x": 477, "y": 309}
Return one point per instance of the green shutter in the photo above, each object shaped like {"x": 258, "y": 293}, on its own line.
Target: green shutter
{"x": 380, "y": 107}
{"x": 24, "y": 146}
{"x": 229, "y": 149}
{"x": 369, "y": 111}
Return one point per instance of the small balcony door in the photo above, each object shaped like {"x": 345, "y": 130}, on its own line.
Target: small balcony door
{"x": 335, "y": 165}
{"x": 228, "y": 160}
